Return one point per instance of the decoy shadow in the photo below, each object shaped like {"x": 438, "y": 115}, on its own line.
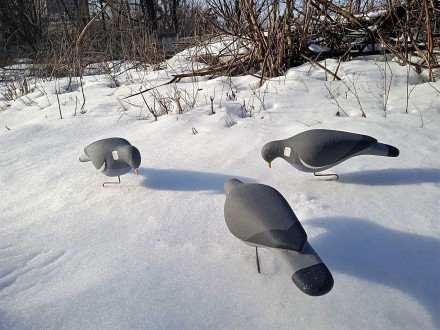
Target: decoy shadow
{"x": 404, "y": 261}
{"x": 185, "y": 180}
{"x": 392, "y": 176}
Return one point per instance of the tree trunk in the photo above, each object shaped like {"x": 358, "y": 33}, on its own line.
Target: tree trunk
{"x": 150, "y": 9}
{"x": 175, "y": 5}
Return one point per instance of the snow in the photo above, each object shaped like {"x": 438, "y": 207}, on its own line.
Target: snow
{"x": 319, "y": 48}
{"x": 154, "y": 252}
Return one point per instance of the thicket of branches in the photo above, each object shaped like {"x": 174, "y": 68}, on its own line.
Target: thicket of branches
{"x": 278, "y": 34}
{"x": 52, "y": 32}
{"x": 270, "y": 36}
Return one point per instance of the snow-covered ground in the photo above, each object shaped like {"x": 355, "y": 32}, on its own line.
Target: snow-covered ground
{"x": 154, "y": 252}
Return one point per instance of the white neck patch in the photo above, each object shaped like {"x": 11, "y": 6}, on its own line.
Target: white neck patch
{"x": 115, "y": 155}
{"x": 287, "y": 151}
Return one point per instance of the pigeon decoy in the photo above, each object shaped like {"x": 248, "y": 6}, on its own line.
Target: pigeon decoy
{"x": 113, "y": 157}
{"x": 259, "y": 215}
{"x": 320, "y": 149}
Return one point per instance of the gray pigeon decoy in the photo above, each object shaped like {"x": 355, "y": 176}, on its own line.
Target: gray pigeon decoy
{"x": 320, "y": 149}
{"x": 113, "y": 157}
{"x": 260, "y": 216}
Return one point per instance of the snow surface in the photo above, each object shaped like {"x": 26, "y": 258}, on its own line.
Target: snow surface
{"x": 155, "y": 252}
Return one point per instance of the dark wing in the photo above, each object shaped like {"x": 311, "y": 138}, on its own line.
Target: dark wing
{"x": 319, "y": 148}
{"x": 96, "y": 152}
{"x": 100, "y": 151}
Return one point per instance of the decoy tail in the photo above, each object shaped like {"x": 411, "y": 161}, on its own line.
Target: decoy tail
{"x": 392, "y": 151}
{"x": 314, "y": 280}
{"x": 309, "y": 273}
{"x": 381, "y": 149}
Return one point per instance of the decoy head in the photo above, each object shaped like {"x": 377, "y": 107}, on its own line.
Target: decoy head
{"x": 131, "y": 156}
{"x": 230, "y": 184}
{"x": 270, "y": 151}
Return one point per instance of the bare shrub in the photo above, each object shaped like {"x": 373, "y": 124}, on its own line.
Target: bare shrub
{"x": 16, "y": 89}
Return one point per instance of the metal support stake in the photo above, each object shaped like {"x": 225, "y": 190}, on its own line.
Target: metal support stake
{"x": 119, "y": 181}
{"x": 336, "y": 177}
{"x": 258, "y": 262}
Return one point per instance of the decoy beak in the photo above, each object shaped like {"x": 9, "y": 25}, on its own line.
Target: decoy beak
{"x": 270, "y": 164}
{"x": 136, "y": 171}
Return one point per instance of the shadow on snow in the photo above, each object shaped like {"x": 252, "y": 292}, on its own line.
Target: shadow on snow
{"x": 392, "y": 176}
{"x": 184, "y": 180}
{"x": 404, "y": 261}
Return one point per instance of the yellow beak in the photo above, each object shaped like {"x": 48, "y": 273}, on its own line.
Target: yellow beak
{"x": 270, "y": 164}
{"x": 136, "y": 171}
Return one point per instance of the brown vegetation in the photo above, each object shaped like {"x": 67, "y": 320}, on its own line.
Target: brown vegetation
{"x": 269, "y": 36}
